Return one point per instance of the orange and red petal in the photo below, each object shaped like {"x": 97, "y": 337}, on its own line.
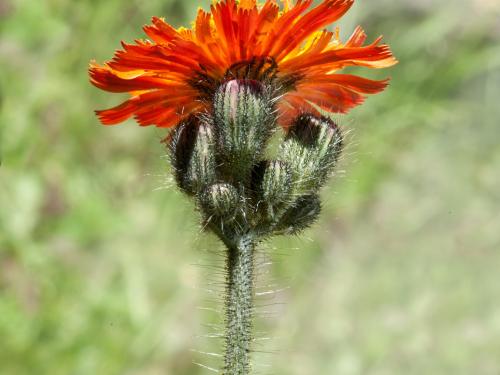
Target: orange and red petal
{"x": 116, "y": 114}
{"x": 160, "y": 31}
{"x": 292, "y": 105}
{"x": 356, "y": 83}
{"x": 109, "y": 80}
{"x": 357, "y": 39}
{"x": 165, "y": 116}
{"x": 152, "y": 57}
{"x": 260, "y": 28}
{"x": 324, "y": 14}
{"x": 336, "y": 93}
{"x": 372, "y": 56}
{"x": 332, "y": 98}
{"x": 158, "y": 108}
{"x": 281, "y": 29}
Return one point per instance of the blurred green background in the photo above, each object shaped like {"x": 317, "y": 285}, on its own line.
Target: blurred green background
{"x": 105, "y": 270}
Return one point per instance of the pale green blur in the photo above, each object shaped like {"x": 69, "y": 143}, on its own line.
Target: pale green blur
{"x": 104, "y": 268}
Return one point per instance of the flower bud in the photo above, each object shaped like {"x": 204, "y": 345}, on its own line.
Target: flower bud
{"x": 303, "y": 213}
{"x": 244, "y": 120}
{"x": 192, "y": 154}
{"x": 272, "y": 184}
{"x": 221, "y": 200}
{"x": 312, "y": 147}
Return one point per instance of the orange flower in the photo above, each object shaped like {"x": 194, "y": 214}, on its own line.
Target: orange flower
{"x": 176, "y": 72}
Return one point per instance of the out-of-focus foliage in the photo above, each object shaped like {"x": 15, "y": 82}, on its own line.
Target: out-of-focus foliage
{"x": 99, "y": 253}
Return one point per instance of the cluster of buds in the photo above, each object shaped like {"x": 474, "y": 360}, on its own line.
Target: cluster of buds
{"x": 221, "y": 160}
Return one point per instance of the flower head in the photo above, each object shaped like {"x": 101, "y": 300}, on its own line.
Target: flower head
{"x": 177, "y": 72}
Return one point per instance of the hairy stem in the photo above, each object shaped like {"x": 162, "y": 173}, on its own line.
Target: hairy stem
{"x": 239, "y": 306}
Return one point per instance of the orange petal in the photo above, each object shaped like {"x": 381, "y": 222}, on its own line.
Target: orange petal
{"x": 357, "y": 38}
{"x": 282, "y": 28}
{"x": 332, "y": 98}
{"x": 161, "y": 32}
{"x": 260, "y": 28}
{"x": 373, "y": 56}
{"x": 324, "y": 14}
{"x": 116, "y": 114}
{"x": 151, "y": 108}
{"x": 105, "y": 79}
{"x": 360, "y": 84}
{"x": 247, "y": 4}
{"x": 292, "y": 105}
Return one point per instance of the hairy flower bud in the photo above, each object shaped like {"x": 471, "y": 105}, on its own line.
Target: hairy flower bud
{"x": 244, "y": 120}
{"x": 276, "y": 181}
{"x": 300, "y": 216}
{"x": 192, "y": 154}
{"x": 272, "y": 185}
{"x": 221, "y": 200}
{"x": 312, "y": 147}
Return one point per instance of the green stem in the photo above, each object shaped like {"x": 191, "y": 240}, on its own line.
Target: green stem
{"x": 239, "y": 306}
